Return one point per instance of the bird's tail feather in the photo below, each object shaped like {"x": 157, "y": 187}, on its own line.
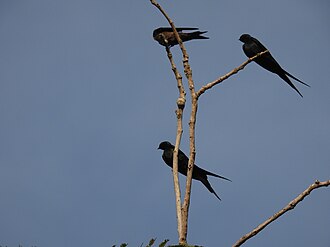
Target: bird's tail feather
{"x": 198, "y": 35}
{"x": 296, "y": 79}
{"x": 209, "y": 187}
{"x": 216, "y": 175}
{"x": 285, "y": 78}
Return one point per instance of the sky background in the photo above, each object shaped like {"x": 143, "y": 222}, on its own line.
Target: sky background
{"x": 86, "y": 96}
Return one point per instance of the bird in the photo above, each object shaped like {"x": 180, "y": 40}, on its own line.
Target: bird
{"x": 198, "y": 173}
{"x": 252, "y": 47}
{"x": 165, "y": 35}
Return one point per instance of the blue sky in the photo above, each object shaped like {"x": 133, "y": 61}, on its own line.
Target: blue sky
{"x": 86, "y": 96}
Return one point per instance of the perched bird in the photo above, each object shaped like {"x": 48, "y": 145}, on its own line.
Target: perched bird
{"x": 198, "y": 173}
{"x": 166, "y": 37}
{"x": 252, "y": 47}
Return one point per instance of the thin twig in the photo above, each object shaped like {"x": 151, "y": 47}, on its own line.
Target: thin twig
{"x": 226, "y": 76}
{"x": 290, "y": 206}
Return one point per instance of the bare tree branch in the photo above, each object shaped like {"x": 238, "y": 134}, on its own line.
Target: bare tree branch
{"x": 179, "y": 114}
{"x": 226, "y": 76}
{"x": 185, "y": 207}
{"x": 192, "y": 124}
{"x": 290, "y": 206}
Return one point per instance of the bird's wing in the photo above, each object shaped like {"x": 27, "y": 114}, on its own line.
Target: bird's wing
{"x": 183, "y": 163}
{"x": 200, "y": 170}
{"x": 186, "y": 28}
{"x": 169, "y": 29}
{"x": 253, "y": 47}
{"x": 183, "y": 157}
{"x": 258, "y": 43}
{"x": 266, "y": 61}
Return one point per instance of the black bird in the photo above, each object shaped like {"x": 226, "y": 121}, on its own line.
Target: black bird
{"x": 198, "y": 173}
{"x": 252, "y": 47}
{"x": 166, "y": 37}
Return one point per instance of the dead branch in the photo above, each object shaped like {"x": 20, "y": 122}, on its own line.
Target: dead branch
{"x": 290, "y": 206}
{"x": 185, "y": 207}
{"x": 179, "y": 114}
{"x": 226, "y": 76}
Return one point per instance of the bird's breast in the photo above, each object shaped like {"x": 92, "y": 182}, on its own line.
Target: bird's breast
{"x": 168, "y": 154}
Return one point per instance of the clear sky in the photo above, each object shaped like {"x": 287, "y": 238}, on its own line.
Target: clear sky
{"x": 86, "y": 96}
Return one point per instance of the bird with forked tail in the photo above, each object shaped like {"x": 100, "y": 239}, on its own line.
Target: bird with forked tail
{"x": 165, "y": 35}
{"x": 198, "y": 173}
{"x": 252, "y": 47}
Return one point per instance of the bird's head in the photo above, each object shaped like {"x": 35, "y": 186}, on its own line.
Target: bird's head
{"x": 156, "y": 32}
{"x": 165, "y": 145}
{"x": 160, "y": 36}
{"x": 245, "y": 38}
